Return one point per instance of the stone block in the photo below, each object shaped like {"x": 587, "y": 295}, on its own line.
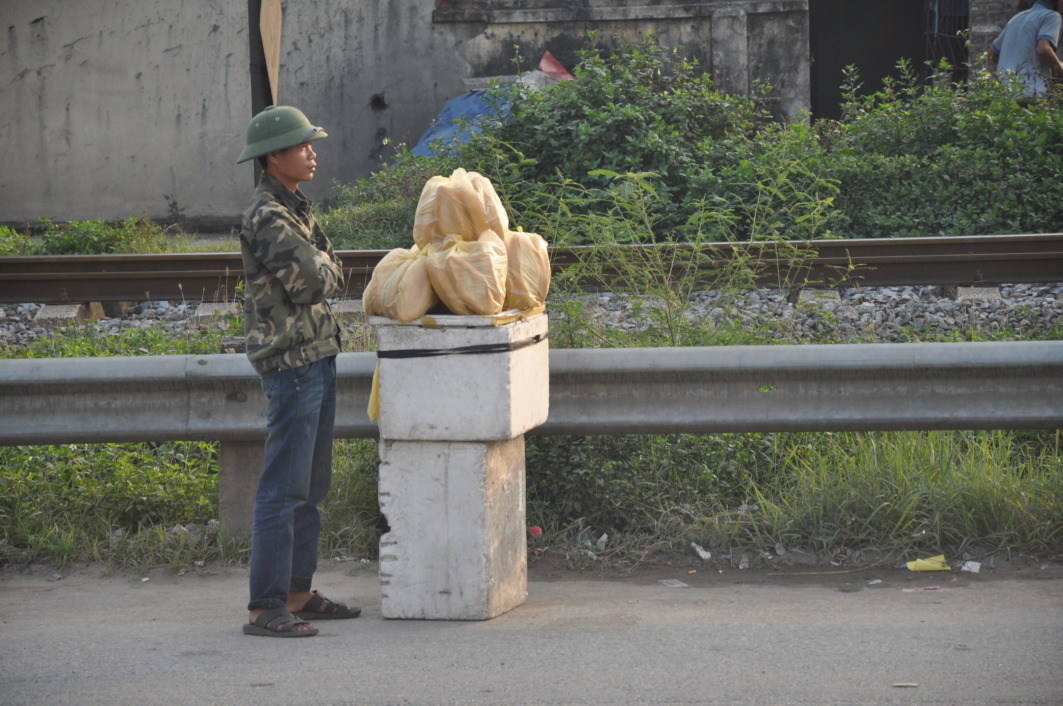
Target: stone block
{"x": 462, "y": 378}
{"x": 53, "y": 316}
{"x": 349, "y": 310}
{"x": 977, "y": 292}
{"x": 240, "y": 464}
{"x": 207, "y": 312}
{"x": 456, "y": 548}
{"x": 818, "y": 296}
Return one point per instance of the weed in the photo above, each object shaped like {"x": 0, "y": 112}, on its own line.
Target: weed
{"x": 174, "y": 210}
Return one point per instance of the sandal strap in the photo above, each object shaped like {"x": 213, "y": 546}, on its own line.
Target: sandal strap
{"x": 319, "y": 604}
{"x": 278, "y": 620}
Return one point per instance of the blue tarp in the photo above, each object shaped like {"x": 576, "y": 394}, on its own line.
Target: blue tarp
{"x": 446, "y": 129}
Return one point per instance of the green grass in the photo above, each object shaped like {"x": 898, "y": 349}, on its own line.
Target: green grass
{"x": 981, "y": 492}
{"x": 134, "y": 235}
{"x": 154, "y": 504}
{"x": 143, "y": 505}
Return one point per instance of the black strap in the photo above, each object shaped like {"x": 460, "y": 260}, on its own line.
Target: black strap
{"x": 465, "y": 350}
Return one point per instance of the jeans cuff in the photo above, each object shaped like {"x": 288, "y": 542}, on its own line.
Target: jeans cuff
{"x": 300, "y": 584}
{"x": 266, "y": 604}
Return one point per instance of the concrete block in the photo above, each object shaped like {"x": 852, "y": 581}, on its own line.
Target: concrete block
{"x": 456, "y": 549}
{"x": 977, "y": 292}
{"x": 209, "y": 311}
{"x": 349, "y": 310}
{"x": 240, "y": 464}
{"x": 818, "y": 296}
{"x": 53, "y": 316}
{"x": 462, "y": 378}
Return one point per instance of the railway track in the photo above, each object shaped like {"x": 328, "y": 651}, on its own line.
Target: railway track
{"x": 944, "y": 261}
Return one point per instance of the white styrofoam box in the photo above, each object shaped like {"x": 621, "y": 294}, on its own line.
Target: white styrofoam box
{"x": 456, "y": 548}
{"x": 444, "y": 387}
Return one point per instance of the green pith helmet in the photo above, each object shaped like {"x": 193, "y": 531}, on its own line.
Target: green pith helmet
{"x": 276, "y": 128}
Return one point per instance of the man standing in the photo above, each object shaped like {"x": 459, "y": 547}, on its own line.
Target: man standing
{"x": 1027, "y": 47}
{"x": 292, "y": 337}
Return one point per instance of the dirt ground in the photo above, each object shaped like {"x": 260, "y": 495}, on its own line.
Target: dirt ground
{"x": 794, "y": 629}
{"x": 845, "y": 571}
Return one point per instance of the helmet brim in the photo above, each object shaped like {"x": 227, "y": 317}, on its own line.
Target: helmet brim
{"x": 299, "y": 136}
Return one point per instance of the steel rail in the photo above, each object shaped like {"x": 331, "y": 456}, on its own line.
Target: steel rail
{"x": 944, "y": 261}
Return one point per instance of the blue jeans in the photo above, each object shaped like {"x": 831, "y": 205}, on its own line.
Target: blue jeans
{"x": 296, "y": 475}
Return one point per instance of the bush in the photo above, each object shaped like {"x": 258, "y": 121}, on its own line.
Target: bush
{"x": 14, "y": 243}
{"x": 376, "y": 213}
{"x": 376, "y": 225}
{"x": 641, "y": 109}
{"x": 134, "y": 234}
{"x": 82, "y": 238}
{"x": 938, "y": 158}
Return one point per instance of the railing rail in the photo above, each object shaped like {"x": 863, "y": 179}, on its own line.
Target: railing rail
{"x": 850, "y": 387}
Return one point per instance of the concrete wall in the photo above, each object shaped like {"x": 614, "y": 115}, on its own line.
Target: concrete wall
{"x": 107, "y": 106}
{"x": 118, "y": 107}
{"x": 987, "y": 18}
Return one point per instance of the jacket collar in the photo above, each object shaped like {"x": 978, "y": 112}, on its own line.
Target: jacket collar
{"x": 272, "y": 185}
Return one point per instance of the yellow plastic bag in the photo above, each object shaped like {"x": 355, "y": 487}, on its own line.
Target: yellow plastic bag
{"x": 371, "y": 303}
{"x": 469, "y": 276}
{"x": 495, "y": 215}
{"x": 400, "y": 287}
{"x": 528, "y": 265}
{"x": 425, "y": 219}
{"x": 407, "y": 292}
{"x": 373, "y": 410}
{"x": 934, "y": 563}
{"x": 467, "y": 205}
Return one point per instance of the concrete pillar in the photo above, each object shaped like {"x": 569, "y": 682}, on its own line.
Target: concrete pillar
{"x": 239, "y": 466}
{"x": 456, "y": 395}
{"x": 457, "y": 547}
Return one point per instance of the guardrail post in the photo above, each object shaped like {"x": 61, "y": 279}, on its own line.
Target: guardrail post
{"x": 239, "y": 466}
{"x": 455, "y": 401}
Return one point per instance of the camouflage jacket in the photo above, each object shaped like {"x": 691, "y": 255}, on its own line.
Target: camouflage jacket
{"x": 290, "y": 269}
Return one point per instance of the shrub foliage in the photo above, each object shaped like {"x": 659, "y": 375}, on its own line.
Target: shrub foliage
{"x": 923, "y": 156}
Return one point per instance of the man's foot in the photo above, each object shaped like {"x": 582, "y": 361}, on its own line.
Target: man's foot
{"x": 312, "y": 605}
{"x": 277, "y": 622}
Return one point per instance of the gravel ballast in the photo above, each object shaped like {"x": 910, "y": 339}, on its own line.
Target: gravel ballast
{"x": 874, "y": 314}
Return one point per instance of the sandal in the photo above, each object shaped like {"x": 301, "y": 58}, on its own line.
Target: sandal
{"x": 277, "y": 622}
{"x": 320, "y": 608}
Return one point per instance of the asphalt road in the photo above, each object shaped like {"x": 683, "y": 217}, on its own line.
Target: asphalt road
{"x": 725, "y": 638}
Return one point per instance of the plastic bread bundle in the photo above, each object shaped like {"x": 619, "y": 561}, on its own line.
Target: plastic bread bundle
{"x": 469, "y": 276}
{"x": 528, "y": 266}
{"x": 464, "y": 255}
{"x": 464, "y": 204}
{"x": 400, "y": 287}
{"x": 425, "y": 219}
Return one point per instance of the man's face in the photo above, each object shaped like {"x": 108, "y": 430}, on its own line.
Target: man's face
{"x": 294, "y": 165}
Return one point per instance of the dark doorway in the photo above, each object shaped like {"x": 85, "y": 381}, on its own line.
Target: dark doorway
{"x": 873, "y": 35}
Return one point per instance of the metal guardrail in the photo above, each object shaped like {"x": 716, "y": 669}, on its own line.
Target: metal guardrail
{"x": 851, "y": 387}
{"x": 156, "y": 398}
{"x": 1006, "y": 385}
